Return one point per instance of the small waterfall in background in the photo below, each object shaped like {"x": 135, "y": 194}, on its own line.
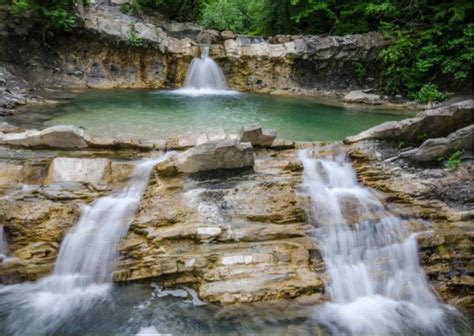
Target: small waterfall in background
{"x": 204, "y": 77}
{"x": 376, "y": 284}
{"x": 81, "y": 277}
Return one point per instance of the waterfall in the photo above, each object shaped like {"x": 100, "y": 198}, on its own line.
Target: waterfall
{"x": 3, "y": 244}
{"x": 204, "y": 77}
{"x": 89, "y": 248}
{"x": 376, "y": 284}
{"x": 81, "y": 277}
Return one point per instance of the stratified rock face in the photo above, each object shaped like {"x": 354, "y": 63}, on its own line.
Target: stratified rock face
{"x": 101, "y": 55}
{"x": 71, "y": 137}
{"x": 432, "y": 124}
{"x": 62, "y": 136}
{"x": 441, "y": 197}
{"x": 212, "y": 155}
{"x": 234, "y": 235}
{"x": 433, "y": 149}
{"x": 256, "y": 136}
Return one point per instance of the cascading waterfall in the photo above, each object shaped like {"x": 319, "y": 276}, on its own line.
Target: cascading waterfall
{"x": 3, "y": 243}
{"x": 89, "y": 248}
{"x": 204, "y": 77}
{"x": 81, "y": 276}
{"x": 376, "y": 284}
{"x": 204, "y": 73}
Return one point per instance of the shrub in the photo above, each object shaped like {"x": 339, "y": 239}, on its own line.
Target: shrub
{"x": 454, "y": 160}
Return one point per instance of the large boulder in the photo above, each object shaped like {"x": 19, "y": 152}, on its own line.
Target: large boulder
{"x": 254, "y": 134}
{"x": 222, "y": 154}
{"x": 432, "y": 123}
{"x": 432, "y": 149}
{"x": 61, "y": 136}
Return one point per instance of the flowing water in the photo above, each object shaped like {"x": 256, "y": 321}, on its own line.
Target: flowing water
{"x": 80, "y": 279}
{"x": 3, "y": 243}
{"x": 204, "y": 76}
{"x": 376, "y": 285}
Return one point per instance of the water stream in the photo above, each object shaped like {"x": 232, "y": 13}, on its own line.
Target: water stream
{"x": 81, "y": 277}
{"x": 376, "y": 285}
{"x": 3, "y": 243}
{"x": 204, "y": 77}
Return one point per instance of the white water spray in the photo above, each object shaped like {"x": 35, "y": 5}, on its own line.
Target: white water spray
{"x": 3, "y": 243}
{"x": 204, "y": 77}
{"x": 376, "y": 285}
{"x": 84, "y": 265}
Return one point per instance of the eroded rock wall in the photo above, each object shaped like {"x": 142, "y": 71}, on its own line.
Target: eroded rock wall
{"x": 101, "y": 53}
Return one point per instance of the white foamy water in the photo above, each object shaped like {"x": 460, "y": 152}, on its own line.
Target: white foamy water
{"x": 204, "y": 77}
{"x": 84, "y": 265}
{"x": 376, "y": 284}
{"x": 3, "y": 243}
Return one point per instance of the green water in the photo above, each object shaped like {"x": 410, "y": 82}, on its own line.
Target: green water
{"x": 161, "y": 114}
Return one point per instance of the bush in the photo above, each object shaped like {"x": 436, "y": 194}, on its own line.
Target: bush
{"x": 429, "y": 93}
{"x": 53, "y": 14}
{"x": 237, "y": 15}
{"x": 454, "y": 161}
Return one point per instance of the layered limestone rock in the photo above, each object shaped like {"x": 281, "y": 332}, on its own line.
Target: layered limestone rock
{"x": 434, "y": 149}
{"x": 443, "y": 199}
{"x": 71, "y": 137}
{"x": 233, "y": 235}
{"x": 256, "y": 136}
{"x": 431, "y": 124}
{"x": 102, "y": 55}
{"x": 212, "y": 155}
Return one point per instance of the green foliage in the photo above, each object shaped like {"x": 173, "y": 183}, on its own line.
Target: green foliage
{"x": 421, "y": 137}
{"x": 235, "y": 15}
{"x": 133, "y": 38}
{"x": 53, "y": 14}
{"x": 454, "y": 160}
{"x": 429, "y": 93}
{"x": 181, "y": 10}
{"x": 133, "y": 8}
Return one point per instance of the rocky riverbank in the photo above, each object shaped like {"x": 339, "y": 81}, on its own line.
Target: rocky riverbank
{"x": 225, "y": 214}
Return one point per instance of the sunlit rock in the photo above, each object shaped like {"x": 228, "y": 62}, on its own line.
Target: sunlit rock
{"x": 223, "y": 154}
{"x": 254, "y": 134}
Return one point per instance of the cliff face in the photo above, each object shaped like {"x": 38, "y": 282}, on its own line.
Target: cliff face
{"x": 103, "y": 54}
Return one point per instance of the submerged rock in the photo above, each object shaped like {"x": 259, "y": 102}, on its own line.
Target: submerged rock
{"x": 256, "y": 136}
{"x": 432, "y": 124}
{"x": 212, "y": 155}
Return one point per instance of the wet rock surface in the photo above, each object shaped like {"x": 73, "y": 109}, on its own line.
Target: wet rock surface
{"x": 438, "y": 195}
{"x": 234, "y": 235}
